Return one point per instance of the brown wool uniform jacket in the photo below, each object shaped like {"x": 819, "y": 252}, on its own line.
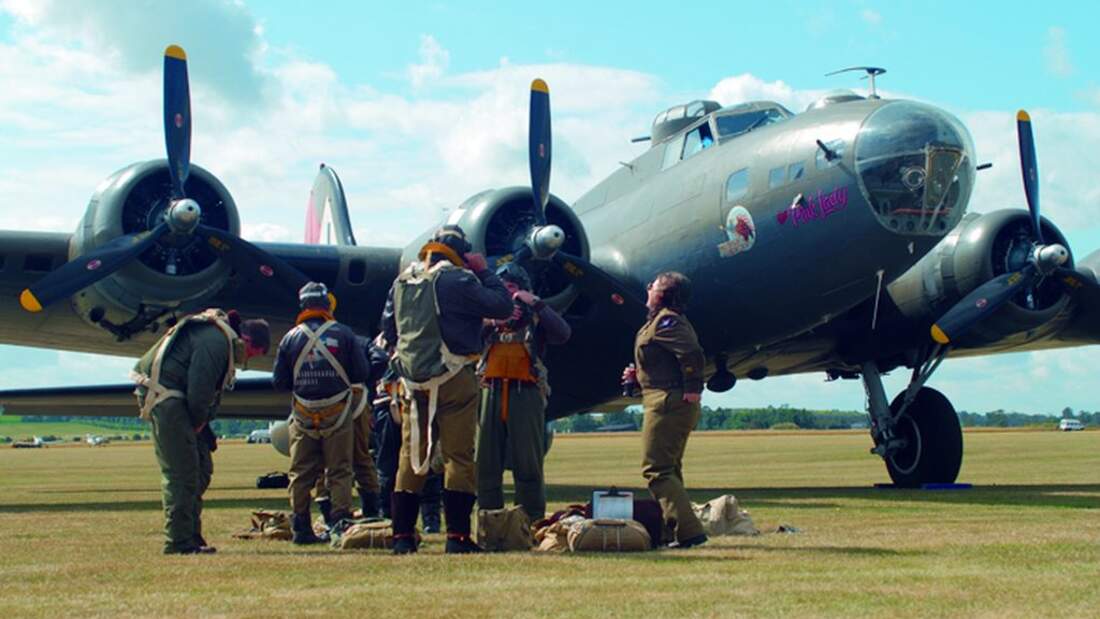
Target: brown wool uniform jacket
{"x": 667, "y": 354}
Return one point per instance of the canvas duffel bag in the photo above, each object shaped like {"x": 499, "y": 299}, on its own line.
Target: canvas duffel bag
{"x": 608, "y": 535}
{"x": 501, "y": 530}
{"x": 723, "y": 516}
{"x": 368, "y": 535}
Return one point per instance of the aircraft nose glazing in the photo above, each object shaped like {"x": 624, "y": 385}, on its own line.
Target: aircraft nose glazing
{"x": 916, "y": 167}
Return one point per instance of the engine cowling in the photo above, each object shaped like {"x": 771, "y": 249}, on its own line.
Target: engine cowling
{"x": 980, "y": 248}
{"x": 497, "y": 222}
{"x": 178, "y": 272}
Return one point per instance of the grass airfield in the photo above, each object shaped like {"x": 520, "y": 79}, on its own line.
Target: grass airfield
{"x": 82, "y": 536}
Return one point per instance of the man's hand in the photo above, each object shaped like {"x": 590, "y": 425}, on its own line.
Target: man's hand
{"x": 692, "y": 398}
{"x": 526, "y": 297}
{"x": 630, "y": 374}
{"x": 476, "y": 262}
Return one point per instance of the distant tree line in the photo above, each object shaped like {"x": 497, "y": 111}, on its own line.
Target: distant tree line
{"x": 785, "y": 417}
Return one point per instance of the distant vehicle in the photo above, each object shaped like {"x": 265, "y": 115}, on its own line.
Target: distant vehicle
{"x": 95, "y": 440}
{"x": 1069, "y": 425}
{"x": 260, "y": 436}
{"x": 34, "y": 443}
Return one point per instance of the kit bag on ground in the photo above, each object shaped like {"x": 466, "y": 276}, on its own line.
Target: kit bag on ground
{"x": 501, "y": 530}
{"x": 274, "y": 479}
{"x": 267, "y": 525}
{"x": 608, "y": 535}
{"x": 723, "y": 516}
{"x": 367, "y": 535}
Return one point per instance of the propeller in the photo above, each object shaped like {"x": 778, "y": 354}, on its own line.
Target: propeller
{"x": 544, "y": 241}
{"x": 1044, "y": 260}
{"x": 182, "y": 217}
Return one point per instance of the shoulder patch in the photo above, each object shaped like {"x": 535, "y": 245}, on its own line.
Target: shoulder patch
{"x": 667, "y": 322}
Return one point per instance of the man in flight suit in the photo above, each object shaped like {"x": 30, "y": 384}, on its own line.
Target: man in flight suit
{"x": 434, "y": 317}
{"x": 180, "y": 381}
{"x": 321, "y": 362}
{"x": 513, "y": 399}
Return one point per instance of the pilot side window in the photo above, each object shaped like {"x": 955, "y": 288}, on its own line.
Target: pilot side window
{"x": 672, "y": 152}
{"x": 737, "y": 185}
{"x": 697, "y": 140}
{"x": 777, "y": 176}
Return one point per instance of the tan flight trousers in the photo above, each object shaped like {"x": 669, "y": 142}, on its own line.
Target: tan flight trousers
{"x": 455, "y": 429}
{"x": 311, "y": 458}
{"x": 668, "y": 422}
{"x": 363, "y": 469}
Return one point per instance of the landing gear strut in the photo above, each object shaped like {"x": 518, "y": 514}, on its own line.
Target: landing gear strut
{"x": 918, "y": 434}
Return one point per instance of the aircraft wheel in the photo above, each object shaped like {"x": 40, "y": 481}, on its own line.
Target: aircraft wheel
{"x": 935, "y": 443}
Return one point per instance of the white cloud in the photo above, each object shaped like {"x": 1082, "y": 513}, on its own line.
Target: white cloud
{"x": 871, "y": 17}
{"x": 1056, "y": 52}
{"x": 748, "y": 87}
{"x": 433, "y": 62}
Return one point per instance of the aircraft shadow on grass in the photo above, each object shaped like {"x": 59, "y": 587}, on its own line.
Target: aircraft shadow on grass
{"x": 1073, "y": 496}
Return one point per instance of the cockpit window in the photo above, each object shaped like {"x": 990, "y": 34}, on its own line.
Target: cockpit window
{"x": 697, "y": 140}
{"x": 731, "y": 125}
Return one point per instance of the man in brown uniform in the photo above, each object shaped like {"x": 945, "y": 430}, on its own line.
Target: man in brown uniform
{"x": 669, "y": 368}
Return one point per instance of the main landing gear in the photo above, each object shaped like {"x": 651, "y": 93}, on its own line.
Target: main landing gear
{"x": 918, "y": 435}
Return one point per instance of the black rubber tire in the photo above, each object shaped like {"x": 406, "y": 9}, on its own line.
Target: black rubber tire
{"x": 935, "y": 450}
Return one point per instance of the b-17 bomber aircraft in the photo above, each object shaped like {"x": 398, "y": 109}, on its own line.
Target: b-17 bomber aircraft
{"x": 835, "y": 241}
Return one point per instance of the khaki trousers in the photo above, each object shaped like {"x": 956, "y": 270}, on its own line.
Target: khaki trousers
{"x": 522, "y": 438}
{"x": 668, "y": 422}
{"x": 454, "y": 429}
{"x": 310, "y": 458}
{"x": 363, "y": 469}
{"x": 186, "y": 468}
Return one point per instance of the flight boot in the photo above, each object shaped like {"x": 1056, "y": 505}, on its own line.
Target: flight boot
{"x": 369, "y": 503}
{"x": 302, "y": 530}
{"x": 457, "y": 507}
{"x": 404, "y": 507}
{"x": 325, "y": 505}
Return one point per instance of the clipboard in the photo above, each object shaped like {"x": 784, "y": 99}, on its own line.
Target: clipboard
{"x": 612, "y": 504}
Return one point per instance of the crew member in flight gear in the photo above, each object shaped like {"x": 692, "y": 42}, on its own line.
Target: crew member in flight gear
{"x": 514, "y": 394}
{"x": 669, "y": 364}
{"x": 363, "y": 466}
{"x": 179, "y": 385}
{"x": 434, "y": 317}
{"x": 321, "y": 362}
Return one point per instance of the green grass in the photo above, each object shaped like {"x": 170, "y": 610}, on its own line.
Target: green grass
{"x": 82, "y": 536}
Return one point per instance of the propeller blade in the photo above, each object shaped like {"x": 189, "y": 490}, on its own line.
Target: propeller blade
{"x": 1030, "y": 167}
{"x": 539, "y": 147}
{"x": 600, "y": 285}
{"x": 252, "y": 261}
{"x": 177, "y": 117}
{"x": 83, "y": 271}
{"x": 982, "y": 302}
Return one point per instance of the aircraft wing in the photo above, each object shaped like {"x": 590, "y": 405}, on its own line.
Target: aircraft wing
{"x": 252, "y": 398}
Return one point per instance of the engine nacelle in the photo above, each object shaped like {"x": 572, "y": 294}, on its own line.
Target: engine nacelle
{"x": 497, "y": 223}
{"x": 980, "y": 248}
{"x": 177, "y": 273}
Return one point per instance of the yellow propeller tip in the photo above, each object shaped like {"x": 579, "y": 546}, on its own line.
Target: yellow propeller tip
{"x": 540, "y": 86}
{"x": 29, "y": 302}
{"x": 939, "y": 335}
{"x": 1023, "y": 116}
{"x": 175, "y": 51}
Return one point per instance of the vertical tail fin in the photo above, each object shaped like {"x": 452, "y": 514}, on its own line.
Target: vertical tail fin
{"x": 327, "y": 220}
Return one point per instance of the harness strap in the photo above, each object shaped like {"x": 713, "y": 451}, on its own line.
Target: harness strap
{"x": 155, "y": 392}
{"x": 455, "y": 364}
{"x": 316, "y": 411}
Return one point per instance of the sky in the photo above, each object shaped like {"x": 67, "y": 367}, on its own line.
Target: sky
{"x": 419, "y": 105}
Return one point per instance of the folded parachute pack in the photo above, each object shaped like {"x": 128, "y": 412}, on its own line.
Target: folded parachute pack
{"x": 267, "y": 525}
{"x": 502, "y": 530}
{"x": 723, "y": 516}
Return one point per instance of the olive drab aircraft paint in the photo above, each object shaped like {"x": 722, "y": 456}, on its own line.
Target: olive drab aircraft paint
{"x": 837, "y": 236}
